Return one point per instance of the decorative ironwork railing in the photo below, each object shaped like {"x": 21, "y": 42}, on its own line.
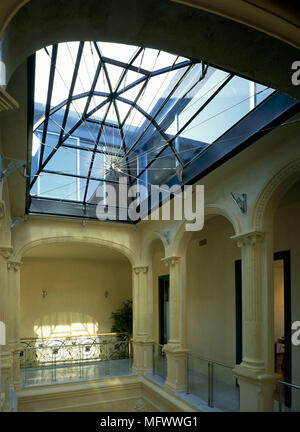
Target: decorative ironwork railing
{"x": 72, "y": 349}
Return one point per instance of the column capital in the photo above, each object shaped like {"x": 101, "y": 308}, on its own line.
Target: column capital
{"x": 140, "y": 269}
{"x": 248, "y": 239}
{"x": 14, "y": 265}
{"x": 171, "y": 260}
{"x": 6, "y": 251}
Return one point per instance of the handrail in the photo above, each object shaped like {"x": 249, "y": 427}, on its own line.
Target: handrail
{"x": 209, "y": 360}
{"x": 74, "y": 336}
{"x": 281, "y": 383}
{"x": 75, "y": 354}
{"x": 210, "y": 364}
{"x": 289, "y": 384}
{"x": 74, "y": 345}
{"x": 161, "y": 349}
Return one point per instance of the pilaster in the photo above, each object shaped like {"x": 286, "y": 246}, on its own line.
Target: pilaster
{"x": 176, "y": 354}
{"x": 142, "y": 314}
{"x": 14, "y": 301}
{"x": 256, "y": 379}
{"x": 6, "y": 361}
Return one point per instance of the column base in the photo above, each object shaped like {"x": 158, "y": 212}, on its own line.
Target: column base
{"x": 142, "y": 356}
{"x": 177, "y": 360}
{"x": 6, "y": 364}
{"x": 256, "y": 388}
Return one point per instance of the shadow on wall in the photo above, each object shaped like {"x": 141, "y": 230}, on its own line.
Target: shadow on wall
{"x": 63, "y": 324}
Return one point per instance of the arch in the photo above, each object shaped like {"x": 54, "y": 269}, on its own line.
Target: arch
{"x": 272, "y": 193}
{"x": 132, "y": 22}
{"x": 182, "y": 237}
{"x": 8, "y": 11}
{"x": 76, "y": 239}
{"x": 148, "y": 244}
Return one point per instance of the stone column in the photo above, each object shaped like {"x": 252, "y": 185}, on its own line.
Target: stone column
{"x": 256, "y": 379}
{"x": 176, "y": 354}
{"x": 142, "y": 316}
{"x": 5, "y": 354}
{"x": 14, "y": 301}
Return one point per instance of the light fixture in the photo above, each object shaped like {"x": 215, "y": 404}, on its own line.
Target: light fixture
{"x": 44, "y": 293}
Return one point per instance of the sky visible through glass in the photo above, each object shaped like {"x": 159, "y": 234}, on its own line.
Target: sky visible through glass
{"x": 104, "y": 111}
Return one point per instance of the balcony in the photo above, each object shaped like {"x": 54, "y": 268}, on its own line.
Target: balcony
{"x": 47, "y": 361}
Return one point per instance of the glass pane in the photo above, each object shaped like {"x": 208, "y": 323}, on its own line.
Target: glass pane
{"x": 198, "y": 377}
{"x": 262, "y": 92}
{"x": 43, "y": 62}
{"x": 59, "y": 186}
{"x": 63, "y": 71}
{"x": 227, "y": 107}
{"x": 225, "y": 389}
{"x": 162, "y": 170}
{"x": 122, "y": 53}
{"x": 131, "y": 77}
{"x": 64, "y": 160}
{"x": 114, "y": 74}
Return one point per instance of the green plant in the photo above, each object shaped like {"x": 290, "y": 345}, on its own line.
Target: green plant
{"x": 123, "y": 319}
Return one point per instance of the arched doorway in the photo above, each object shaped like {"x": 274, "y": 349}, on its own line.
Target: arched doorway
{"x": 211, "y": 313}
{"x": 69, "y": 295}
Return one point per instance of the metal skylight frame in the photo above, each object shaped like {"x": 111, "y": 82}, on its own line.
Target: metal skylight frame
{"x": 110, "y": 99}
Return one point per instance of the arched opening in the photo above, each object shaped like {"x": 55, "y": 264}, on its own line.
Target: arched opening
{"x": 69, "y": 293}
{"x": 212, "y": 313}
{"x": 286, "y": 295}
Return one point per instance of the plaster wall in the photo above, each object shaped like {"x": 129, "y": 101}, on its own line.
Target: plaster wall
{"x": 287, "y": 237}
{"x": 211, "y": 292}
{"x": 75, "y": 302}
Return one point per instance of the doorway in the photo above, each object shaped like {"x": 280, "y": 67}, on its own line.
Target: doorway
{"x": 282, "y": 320}
{"x": 282, "y": 317}
{"x": 164, "y": 310}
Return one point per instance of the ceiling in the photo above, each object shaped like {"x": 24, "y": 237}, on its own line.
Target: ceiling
{"x": 218, "y": 40}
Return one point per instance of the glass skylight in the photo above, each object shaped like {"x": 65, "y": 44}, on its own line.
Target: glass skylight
{"x": 104, "y": 111}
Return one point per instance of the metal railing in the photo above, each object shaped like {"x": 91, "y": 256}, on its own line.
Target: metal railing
{"x": 159, "y": 361}
{"x": 66, "y": 347}
{"x": 288, "y": 397}
{"x": 213, "y": 382}
{"x": 57, "y": 361}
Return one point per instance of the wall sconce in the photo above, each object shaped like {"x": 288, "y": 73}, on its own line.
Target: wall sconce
{"x": 106, "y": 294}
{"x": 44, "y": 293}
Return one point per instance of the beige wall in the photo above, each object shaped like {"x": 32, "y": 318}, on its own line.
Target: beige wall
{"x": 287, "y": 237}
{"x": 75, "y": 301}
{"x": 211, "y": 292}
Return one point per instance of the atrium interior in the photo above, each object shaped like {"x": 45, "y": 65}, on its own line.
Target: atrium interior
{"x": 149, "y": 206}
